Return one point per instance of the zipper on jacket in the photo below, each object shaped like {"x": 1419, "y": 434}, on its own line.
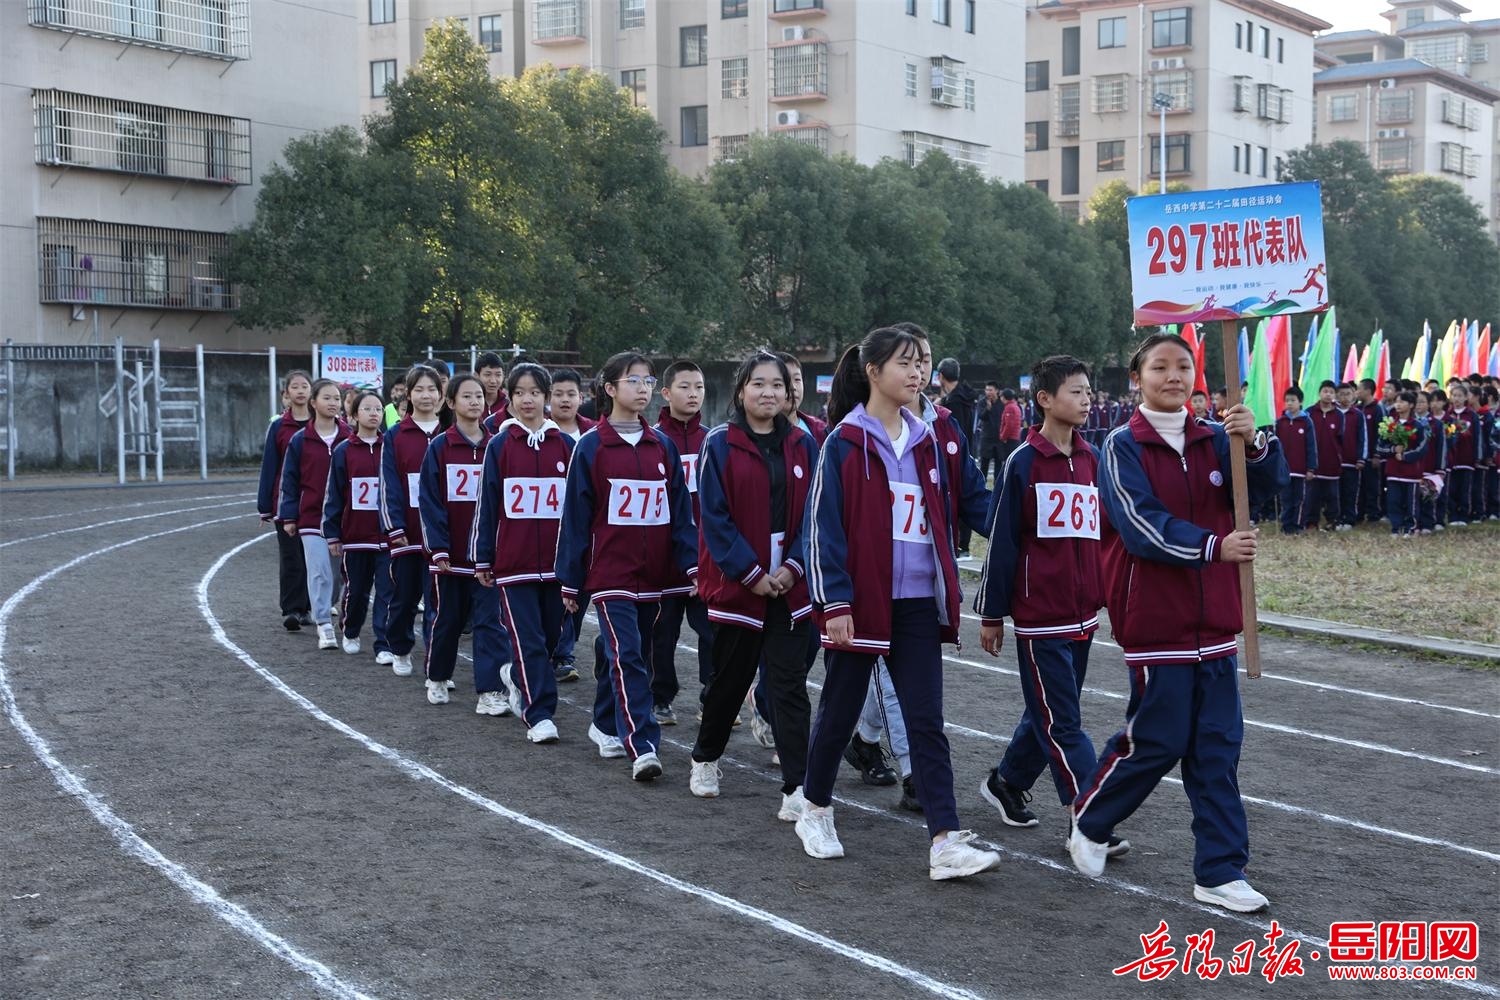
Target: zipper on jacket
{"x": 1187, "y": 480}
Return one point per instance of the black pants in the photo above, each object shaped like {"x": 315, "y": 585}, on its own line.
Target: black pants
{"x": 989, "y": 454}
{"x": 1371, "y": 502}
{"x": 1349, "y": 495}
{"x": 663, "y": 652}
{"x": 737, "y": 655}
{"x": 293, "y": 570}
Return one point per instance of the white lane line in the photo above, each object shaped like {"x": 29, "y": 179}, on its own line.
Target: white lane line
{"x": 122, "y": 520}
{"x": 1326, "y": 686}
{"x": 1272, "y": 726}
{"x": 131, "y": 842}
{"x": 422, "y": 772}
{"x": 1279, "y": 806}
{"x": 123, "y": 506}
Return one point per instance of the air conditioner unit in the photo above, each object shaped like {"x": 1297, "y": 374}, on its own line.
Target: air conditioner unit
{"x": 788, "y": 118}
{"x": 793, "y": 33}
{"x": 1175, "y": 62}
{"x": 1390, "y": 133}
{"x": 1387, "y": 83}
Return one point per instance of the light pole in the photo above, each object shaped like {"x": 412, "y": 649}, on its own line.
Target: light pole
{"x": 1162, "y": 103}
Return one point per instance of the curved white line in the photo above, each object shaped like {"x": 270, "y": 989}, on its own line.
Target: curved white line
{"x": 131, "y": 842}
{"x": 125, "y": 506}
{"x": 421, "y": 772}
{"x": 122, "y": 520}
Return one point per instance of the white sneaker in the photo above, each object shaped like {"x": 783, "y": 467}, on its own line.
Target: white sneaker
{"x": 792, "y": 806}
{"x": 437, "y": 694}
{"x": 543, "y": 732}
{"x": 610, "y": 747}
{"x": 646, "y": 767}
{"x": 401, "y": 665}
{"x": 1451, "y": 524}
{"x": 351, "y": 646}
{"x": 452, "y": 684}
{"x": 1236, "y": 896}
{"x": 815, "y": 830}
{"x": 761, "y": 730}
{"x": 326, "y": 638}
{"x": 954, "y": 858}
{"x": 1088, "y": 857}
{"x": 703, "y": 781}
{"x": 491, "y": 703}
{"x": 385, "y": 658}
{"x": 512, "y": 691}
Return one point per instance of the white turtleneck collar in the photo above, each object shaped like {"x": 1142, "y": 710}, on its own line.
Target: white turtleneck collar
{"x": 1171, "y": 426}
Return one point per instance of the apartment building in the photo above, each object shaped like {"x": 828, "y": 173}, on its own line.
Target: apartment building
{"x": 133, "y": 134}
{"x": 1235, "y": 77}
{"x": 865, "y": 79}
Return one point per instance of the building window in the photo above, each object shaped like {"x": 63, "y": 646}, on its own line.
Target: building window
{"x": 1265, "y": 162}
{"x": 489, "y": 33}
{"x": 792, "y": 6}
{"x": 1040, "y": 185}
{"x": 1177, "y": 85}
{"x": 799, "y": 70}
{"x": 1343, "y": 108}
{"x": 911, "y": 8}
{"x": 1280, "y": 166}
{"x": 1067, "y": 109}
{"x": 729, "y": 9}
{"x": 919, "y": 144}
{"x": 99, "y": 133}
{"x": 1070, "y": 46}
{"x": 1111, "y": 32}
{"x": 1237, "y": 167}
{"x": 947, "y": 81}
{"x": 968, "y": 93}
{"x": 1036, "y": 76}
{"x": 1069, "y": 170}
{"x": 695, "y": 126}
{"x": 735, "y": 79}
{"x": 1394, "y": 107}
{"x": 1265, "y": 42}
{"x": 732, "y": 147}
{"x": 1036, "y": 136}
{"x": 634, "y": 80}
{"x": 1239, "y": 35}
{"x": 1451, "y": 157}
{"x": 1415, "y": 17}
{"x": 911, "y": 79}
{"x": 1479, "y": 52}
{"x": 694, "y": 41}
{"x": 969, "y": 15}
{"x": 942, "y": 11}
{"x": 632, "y": 14}
{"x": 107, "y": 263}
{"x": 382, "y": 11}
{"x": 1111, "y": 155}
{"x": 1111, "y": 93}
{"x": 382, "y": 76}
{"x": 1443, "y": 52}
{"x": 1172, "y": 29}
{"x": 1392, "y": 155}
{"x": 1281, "y": 50}
{"x": 555, "y": 20}
{"x": 1178, "y": 149}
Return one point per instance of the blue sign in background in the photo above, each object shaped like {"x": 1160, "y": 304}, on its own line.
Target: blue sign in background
{"x": 353, "y": 367}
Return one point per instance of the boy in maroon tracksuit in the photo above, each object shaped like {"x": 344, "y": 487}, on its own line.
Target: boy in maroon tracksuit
{"x": 1323, "y": 489}
{"x": 1299, "y": 443}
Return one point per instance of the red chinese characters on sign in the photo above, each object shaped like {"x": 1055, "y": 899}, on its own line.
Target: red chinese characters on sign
{"x": 1252, "y": 243}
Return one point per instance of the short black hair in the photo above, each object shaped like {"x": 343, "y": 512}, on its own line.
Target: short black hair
{"x": 567, "y": 375}
{"x": 489, "y": 359}
{"x": 1367, "y": 383}
{"x": 1327, "y": 384}
{"x": 948, "y": 369}
{"x": 676, "y": 368}
{"x": 991, "y": 383}
{"x": 1198, "y": 392}
{"x": 1008, "y": 394}
{"x": 1293, "y": 390}
{"x": 1048, "y": 374}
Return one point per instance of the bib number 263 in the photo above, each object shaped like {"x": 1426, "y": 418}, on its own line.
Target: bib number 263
{"x": 1067, "y": 510}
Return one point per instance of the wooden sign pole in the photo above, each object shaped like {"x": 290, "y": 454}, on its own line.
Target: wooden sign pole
{"x": 1232, "y": 380}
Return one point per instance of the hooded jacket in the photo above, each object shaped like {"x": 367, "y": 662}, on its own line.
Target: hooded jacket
{"x": 521, "y": 495}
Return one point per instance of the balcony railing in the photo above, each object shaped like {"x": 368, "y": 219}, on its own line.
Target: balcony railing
{"x": 799, "y": 71}
{"x": 141, "y": 267}
{"x": 559, "y": 22}
{"x": 814, "y": 134}
{"x": 219, "y": 29}
{"x": 919, "y": 144}
{"x": 100, "y": 133}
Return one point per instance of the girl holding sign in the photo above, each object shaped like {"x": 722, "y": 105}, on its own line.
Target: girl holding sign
{"x": 1173, "y": 593}
{"x": 752, "y": 489}
{"x": 884, "y": 581}
{"x": 351, "y": 521}
{"x": 627, "y": 533}
{"x": 400, "y": 494}
{"x": 449, "y": 500}
{"x": 515, "y": 541}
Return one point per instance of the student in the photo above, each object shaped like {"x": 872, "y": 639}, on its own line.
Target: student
{"x": 1463, "y": 460}
{"x": 1010, "y": 425}
{"x": 1042, "y": 571}
{"x": 1173, "y": 595}
{"x": 304, "y": 479}
{"x": 884, "y": 582}
{"x": 1323, "y": 487}
{"x": 1403, "y": 464}
{"x": 1354, "y": 452}
{"x": 1432, "y": 501}
{"x": 1220, "y": 403}
{"x": 806, "y": 421}
{"x": 393, "y": 409}
{"x": 351, "y": 526}
{"x": 1299, "y": 445}
{"x": 567, "y": 394}
{"x": 682, "y": 422}
{"x": 448, "y": 499}
{"x": 401, "y": 460}
{"x": 754, "y": 481}
{"x": 515, "y": 541}
{"x": 292, "y": 569}
{"x": 1489, "y": 449}
{"x": 988, "y": 430}
{"x": 1371, "y": 480}
{"x": 627, "y": 537}
{"x": 491, "y": 372}
{"x": 1199, "y": 405}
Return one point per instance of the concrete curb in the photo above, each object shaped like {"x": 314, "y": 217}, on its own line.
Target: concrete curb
{"x": 1348, "y": 633}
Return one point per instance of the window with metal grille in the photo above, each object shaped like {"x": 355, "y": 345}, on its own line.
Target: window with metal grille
{"x": 799, "y": 70}
{"x": 559, "y": 19}
{"x": 100, "y": 133}
{"x": 216, "y": 28}
{"x": 1394, "y": 107}
{"x": 1068, "y": 108}
{"x": 1178, "y": 85}
{"x": 1111, "y": 155}
{"x": 1111, "y": 93}
{"x": 1393, "y": 155}
{"x": 1479, "y": 52}
{"x": 132, "y": 266}
{"x": 632, "y": 14}
{"x": 731, "y": 147}
{"x": 1451, "y": 157}
{"x": 911, "y": 79}
{"x": 634, "y": 81}
{"x": 382, "y": 11}
{"x": 918, "y": 145}
{"x": 815, "y": 136}
{"x": 1172, "y": 29}
{"x": 735, "y": 82}
{"x": 969, "y": 93}
{"x": 695, "y": 125}
{"x": 693, "y": 41}
{"x": 947, "y": 82}
{"x": 1443, "y": 52}
{"x": 489, "y": 33}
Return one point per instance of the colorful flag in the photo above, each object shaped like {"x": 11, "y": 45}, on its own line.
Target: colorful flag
{"x": 1244, "y": 353}
{"x": 1417, "y": 364}
{"x": 1383, "y": 372}
{"x": 1322, "y": 361}
{"x": 1482, "y": 353}
{"x": 1307, "y": 349}
{"x": 1369, "y": 358}
{"x": 1351, "y": 366}
{"x": 1280, "y": 333}
{"x": 1259, "y": 393}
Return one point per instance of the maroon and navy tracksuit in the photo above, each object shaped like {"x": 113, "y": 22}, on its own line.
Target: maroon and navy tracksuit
{"x": 1042, "y": 571}
{"x": 1354, "y": 452}
{"x": 753, "y": 492}
{"x": 304, "y": 482}
{"x": 1436, "y": 463}
{"x": 1175, "y": 610}
{"x": 1465, "y": 501}
{"x": 292, "y": 570}
{"x": 449, "y": 504}
{"x": 968, "y": 493}
{"x": 400, "y": 494}
{"x": 1323, "y": 490}
{"x": 351, "y": 517}
{"x": 627, "y": 539}
{"x": 515, "y": 540}
{"x": 1372, "y": 479}
{"x": 1402, "y": 476}
{"x": 1299, "y": 446}
{"x": 687, "y": 436}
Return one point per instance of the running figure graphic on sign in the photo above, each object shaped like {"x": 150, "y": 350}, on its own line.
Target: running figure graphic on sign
{"x": 1312, "y": 281}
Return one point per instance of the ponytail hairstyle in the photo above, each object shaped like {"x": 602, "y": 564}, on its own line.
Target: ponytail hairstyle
{"x": 1151, "y": 343}
{"x": 539, "y": 375}
{"x": 851, "y": 386}
{"x": 615, "y": 369}
{"x": 301, "y": 373}
{"x": 747, "y": 369}
{"x": 319, "y": 385}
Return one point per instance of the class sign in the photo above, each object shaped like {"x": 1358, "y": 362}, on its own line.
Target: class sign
{"x": 353, "y": 367}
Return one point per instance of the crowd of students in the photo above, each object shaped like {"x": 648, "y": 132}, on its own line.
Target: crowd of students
{"x": 493, "y": 506}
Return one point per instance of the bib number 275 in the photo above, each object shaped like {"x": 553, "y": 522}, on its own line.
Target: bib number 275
{"x": 638, "y": 502}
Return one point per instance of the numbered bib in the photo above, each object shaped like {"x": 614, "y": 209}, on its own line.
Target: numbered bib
{"x": 534, "y": 499}
{"x": 364, "y": 493}
{"x": 463, "y": 483}
{"x": 413, "y": 489}
{"x": 638, "y": 503}
{"x": 909, "y": 514}
{"x": 1067, "y": 510}
{"x": 690, "y": 472}
{"x": 778, "y": 550}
